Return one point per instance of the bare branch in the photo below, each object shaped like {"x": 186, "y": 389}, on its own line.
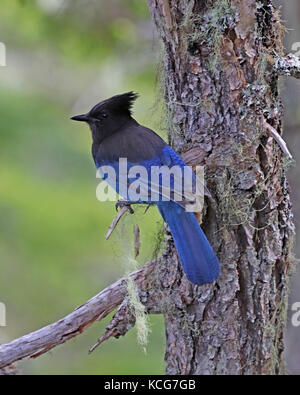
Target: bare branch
{"x": 121, "y": 323}
{"x": 288, "y": 65}
{"x": 43, "y": 340}
{"x": 276, "y": 136}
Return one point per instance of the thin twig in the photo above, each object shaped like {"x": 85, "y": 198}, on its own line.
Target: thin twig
{"x": 276, "y": 136}
{"x": 137, "y": 241}
{"x": 116, "y": 220}
{"x": 123, "y": 320}
{"x": 106, "y": 336}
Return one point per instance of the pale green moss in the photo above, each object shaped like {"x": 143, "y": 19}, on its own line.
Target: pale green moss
{"x": 138, "y": 309}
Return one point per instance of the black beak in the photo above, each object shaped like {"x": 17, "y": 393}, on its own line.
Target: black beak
{"x": 81, "y": 118}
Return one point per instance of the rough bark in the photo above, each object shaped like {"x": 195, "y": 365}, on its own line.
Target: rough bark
{"x": 220, "y": 82}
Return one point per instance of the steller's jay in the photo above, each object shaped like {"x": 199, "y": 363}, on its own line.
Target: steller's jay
{"x": 117, "y": 135}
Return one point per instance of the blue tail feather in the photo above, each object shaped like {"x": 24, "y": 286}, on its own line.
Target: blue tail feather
{"x": 199, "y": 262}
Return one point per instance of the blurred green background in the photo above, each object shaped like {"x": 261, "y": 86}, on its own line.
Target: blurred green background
{"x": 63, "y": 56}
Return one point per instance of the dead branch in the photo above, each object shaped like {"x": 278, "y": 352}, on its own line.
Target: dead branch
{"x": 276, "y": 136}
{"x": 121, "y": 323}
{"x": 43, "y": 340}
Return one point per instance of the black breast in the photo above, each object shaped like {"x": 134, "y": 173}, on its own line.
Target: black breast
{"x": 135, "y": 142}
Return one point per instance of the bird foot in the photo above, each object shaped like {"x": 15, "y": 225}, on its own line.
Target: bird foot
{"x": 124, "y": 203}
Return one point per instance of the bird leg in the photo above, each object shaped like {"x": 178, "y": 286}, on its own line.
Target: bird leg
{"x": 125, "y": 203}
{"x": 124, "y": 206}
{"x": 128, "y": 203}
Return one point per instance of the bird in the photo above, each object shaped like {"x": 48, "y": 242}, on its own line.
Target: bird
{"x": 115, "y": 135}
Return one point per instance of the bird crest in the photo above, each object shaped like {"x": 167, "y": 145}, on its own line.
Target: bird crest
{"x": 119, "y": 104}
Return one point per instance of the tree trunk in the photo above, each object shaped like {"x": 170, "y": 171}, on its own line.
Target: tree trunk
{"x": 220, "y": 89}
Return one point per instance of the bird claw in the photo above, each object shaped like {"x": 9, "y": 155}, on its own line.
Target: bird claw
{"x": 124, "y": 203}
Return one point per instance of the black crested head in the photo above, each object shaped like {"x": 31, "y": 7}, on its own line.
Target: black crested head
{"x": 110, "y": 115}
{"x": 116, "y": 105}
{"x": 119, "y": 105}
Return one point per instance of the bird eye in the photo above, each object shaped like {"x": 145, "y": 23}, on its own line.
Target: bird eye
{"x": 104, "y": 115}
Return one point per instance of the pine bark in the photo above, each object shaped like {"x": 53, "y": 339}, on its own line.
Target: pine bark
{"x": 220, "y": 87}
